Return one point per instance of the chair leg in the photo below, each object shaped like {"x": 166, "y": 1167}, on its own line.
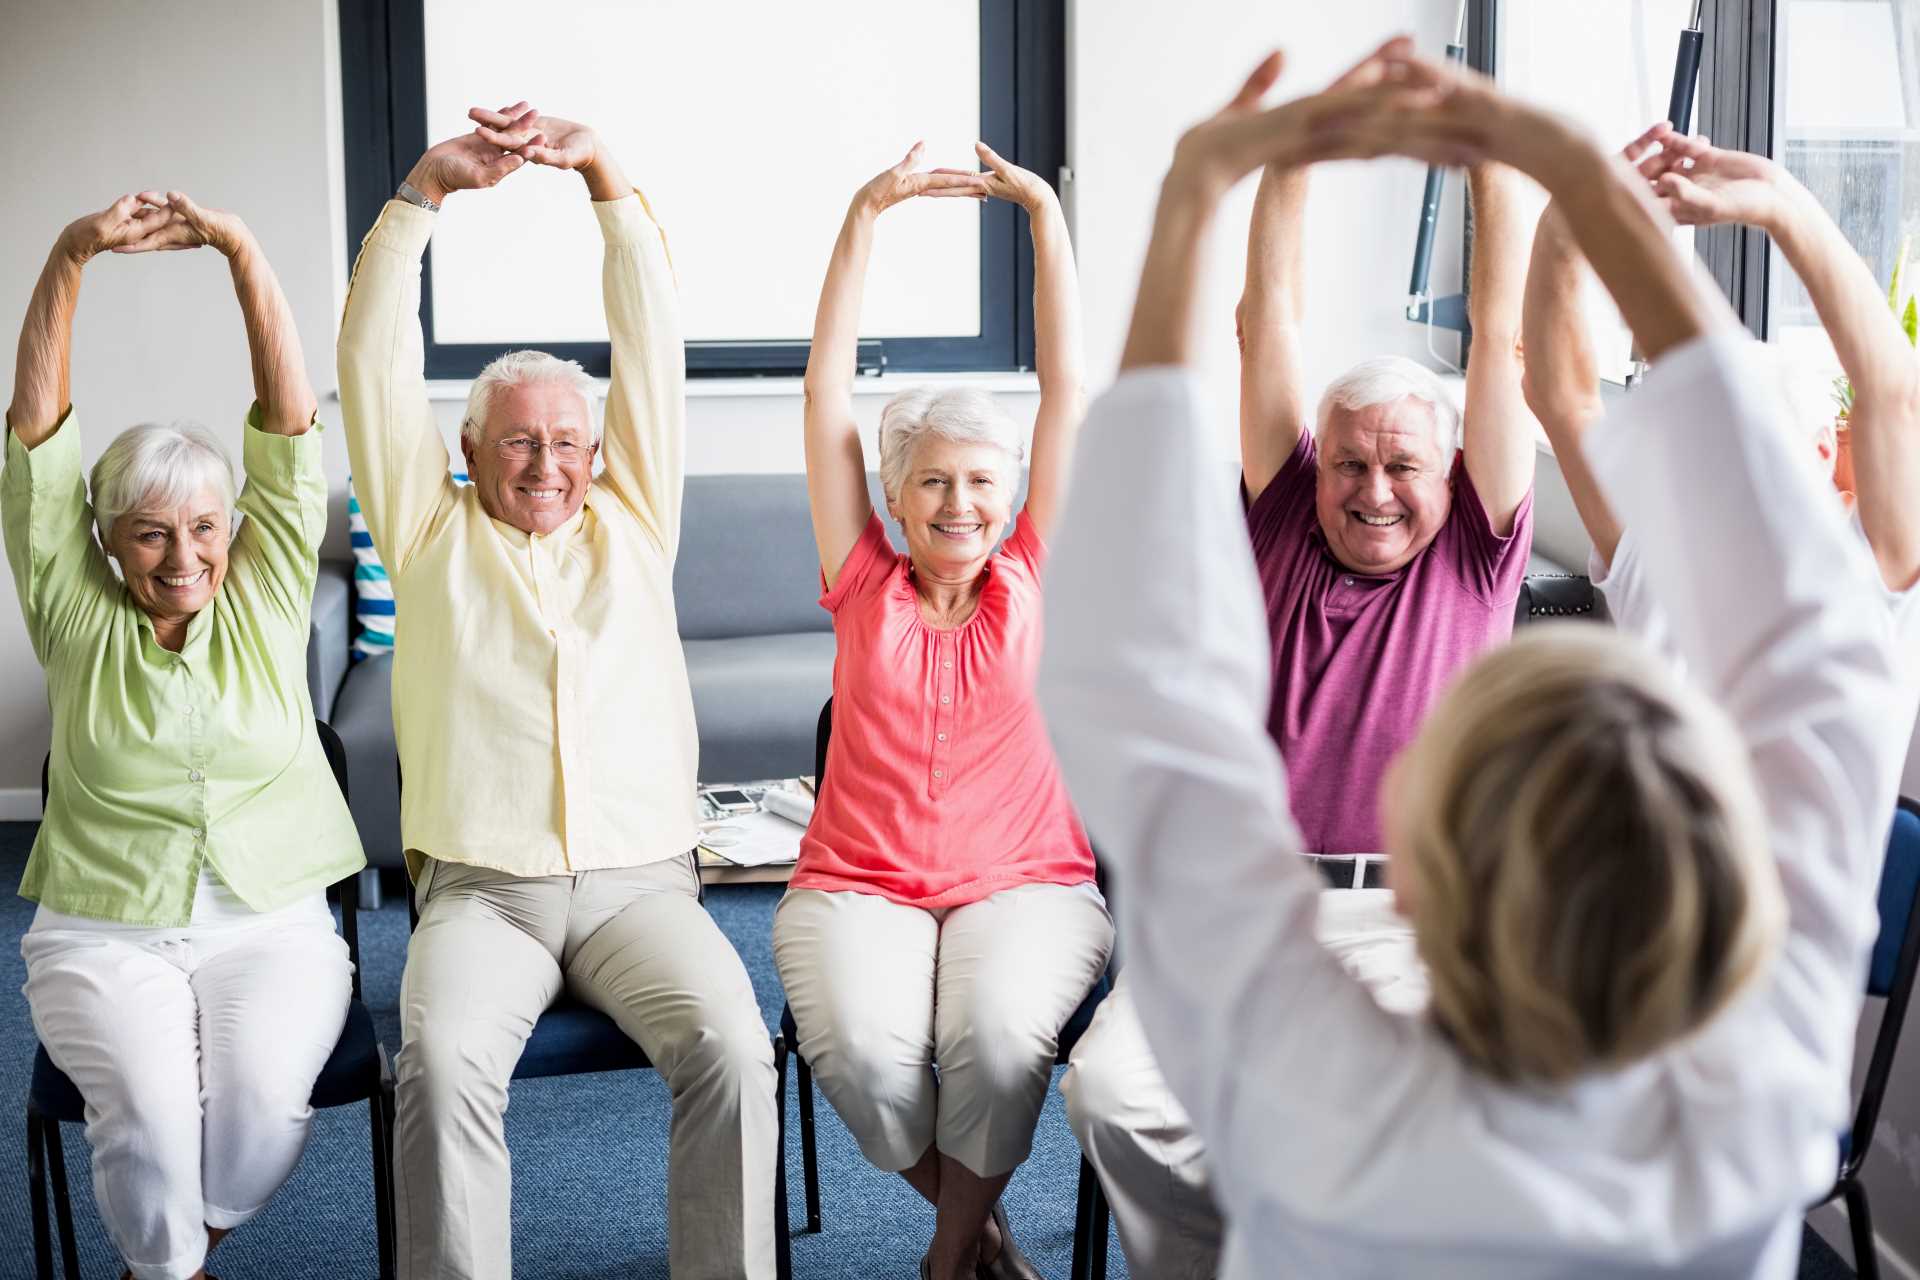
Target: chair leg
{"x": 809, "y": 1146}
{"x": 382, "y": 1183}
{"x": 37, "y": 1195}
{"x": 782, "y": 1226}
{"x": 370, "y": 889}
{"x": 1089, "y": 1226}
{"x": 62, "y": 1197}
{"x": 1866, "y": 1258}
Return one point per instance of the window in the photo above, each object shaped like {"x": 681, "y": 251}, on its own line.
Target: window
{"x": 1844, "y": 117}
{"x": 748, "y": 152}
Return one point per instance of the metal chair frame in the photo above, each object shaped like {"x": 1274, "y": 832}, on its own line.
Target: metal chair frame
{"x": 1847, "y": 1185}
{"x": 1091, "y": 1211}
{"x": 46, "y": 1149}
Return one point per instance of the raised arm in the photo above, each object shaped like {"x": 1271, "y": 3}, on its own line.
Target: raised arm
{"x": 1562, "y": 375}
{"x": 643, "y": 442}
{"x": 1273, "y": 390}
{"x": 836, "y": 465}
{"x": 1498, "y": 431}
{"x": 1704, "y": 184}
{"x": 280, "y": 382}
{"x": 42, "y": 374}
{"x": 1059, "y": 345}
{"x": 399, "y": 458}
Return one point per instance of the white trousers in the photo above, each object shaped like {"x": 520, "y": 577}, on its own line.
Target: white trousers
{"x": 196, "y": 1050}
{"x": 883, "y": 992}
{"x": 490, "y": 953}
{"x": 1139, "y": 1139}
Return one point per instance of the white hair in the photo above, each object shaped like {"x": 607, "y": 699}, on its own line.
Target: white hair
{"x": 520, "y": 369}
{"x": 965, "y": 415}
{"x": 158, "y": 467}
{"x": 1384, "y": 379}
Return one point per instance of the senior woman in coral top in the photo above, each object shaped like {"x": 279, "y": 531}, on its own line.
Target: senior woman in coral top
{"x": 943, "y": 911}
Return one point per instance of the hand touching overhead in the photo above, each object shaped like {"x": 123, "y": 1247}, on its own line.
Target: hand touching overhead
{"x": 468, "y": 162}
{"x": 521, "y": 131}
{"x": 902, "y": 182}
{"x": 123, "y": 223}
{"x": 185, "y": 225}
{"x": 1003, "y": 180}
{"x": 1703, "y": 184}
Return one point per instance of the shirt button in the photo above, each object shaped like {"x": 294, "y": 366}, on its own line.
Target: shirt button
{"x": 937, "y": 773}
{"x": 199, "y": 833}
{"x": 944, "y": 699}
{"x": 948, "y": 664}
{"x": 1349, "y": 581}
{"x": 196, "y": 776}
{"x": 941, "y": 736}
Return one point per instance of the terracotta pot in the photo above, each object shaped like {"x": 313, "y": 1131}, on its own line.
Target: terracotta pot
{"x": 1842, "y": 456}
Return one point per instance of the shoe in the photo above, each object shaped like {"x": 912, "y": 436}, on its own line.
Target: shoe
{"x": 1009, "y": 1263}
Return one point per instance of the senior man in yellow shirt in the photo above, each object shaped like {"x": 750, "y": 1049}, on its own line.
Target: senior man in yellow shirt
{"x": 546, "y": 729}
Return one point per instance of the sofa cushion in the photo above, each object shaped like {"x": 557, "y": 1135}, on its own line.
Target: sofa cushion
{"x": 747, "y": 564}
{"x": 757, "y": 700}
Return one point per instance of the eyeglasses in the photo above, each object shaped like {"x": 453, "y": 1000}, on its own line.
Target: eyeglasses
{"x": 520, "y": 448}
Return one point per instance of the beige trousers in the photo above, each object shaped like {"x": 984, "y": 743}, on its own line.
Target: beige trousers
{"x": 1139, "y": 1139}
{"x": 490, "y": 953}
{"x": 883, "y": 992}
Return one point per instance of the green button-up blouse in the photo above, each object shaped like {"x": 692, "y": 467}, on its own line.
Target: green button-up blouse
{"x": 165, "y": 762}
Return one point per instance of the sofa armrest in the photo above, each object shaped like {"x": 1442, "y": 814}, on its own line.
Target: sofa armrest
{"x": 329, "y": 633}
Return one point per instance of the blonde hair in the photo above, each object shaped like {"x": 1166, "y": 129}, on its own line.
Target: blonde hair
{"x": 1590, "y": 874}
{"x": 518, "y": 369}
{"x": 158, "y": 466}
{"x": 966, "y": 415}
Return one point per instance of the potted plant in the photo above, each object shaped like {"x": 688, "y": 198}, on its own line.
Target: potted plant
{"x": 1909, "y": 319}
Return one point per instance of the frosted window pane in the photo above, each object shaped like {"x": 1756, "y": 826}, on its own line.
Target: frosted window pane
{"x": 747, "y": 149}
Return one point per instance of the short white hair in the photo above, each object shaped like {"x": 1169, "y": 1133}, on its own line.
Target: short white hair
{"x": 1384, "y": 379}
{"x": 159, "y": 467}
{"x": 965, "y": 415}
{"x": 520, "y": 369}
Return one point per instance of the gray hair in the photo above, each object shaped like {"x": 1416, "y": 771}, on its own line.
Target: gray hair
{"x": 965, "y": 415}
{"x": 1384, "y": 379}
{"x": 520, "y": 369}
{"x": 158, "y": 467}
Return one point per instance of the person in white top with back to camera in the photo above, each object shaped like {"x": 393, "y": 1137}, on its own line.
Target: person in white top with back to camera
{"x": 1703, "y": 185}
{"x": 1644, "y": 904}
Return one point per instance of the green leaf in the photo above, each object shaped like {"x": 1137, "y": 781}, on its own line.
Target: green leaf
{"x": 1843, "y": 395}
{"x": 1910, "y": 321}
{"x": 1899, "y": 270}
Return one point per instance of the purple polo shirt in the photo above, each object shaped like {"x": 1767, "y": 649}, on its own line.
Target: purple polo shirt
{"x": 1358, "y": 659}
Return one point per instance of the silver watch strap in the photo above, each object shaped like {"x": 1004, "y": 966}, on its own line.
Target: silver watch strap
{"x": 406, "y": 192}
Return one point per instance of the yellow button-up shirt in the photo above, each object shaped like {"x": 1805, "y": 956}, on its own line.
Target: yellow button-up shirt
{"x": 167, "y": 762}
{"x": 540, "y": 692}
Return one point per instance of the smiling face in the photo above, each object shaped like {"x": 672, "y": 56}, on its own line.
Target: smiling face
{"x": 953, "y": 504}
{"x": 1382, "y": 492}
{"x": 520, "y": 481}
{"x": 173, "y": 561}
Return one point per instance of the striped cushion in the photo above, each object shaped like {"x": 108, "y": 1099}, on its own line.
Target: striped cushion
{"x": 372, "y": 589}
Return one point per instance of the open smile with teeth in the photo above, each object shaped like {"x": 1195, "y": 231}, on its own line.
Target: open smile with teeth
{"x": 1377, "y": 522}
{"x": 177, "y": 583}
{"x": 541, "y": 495}
{"x": 958, "y": 530}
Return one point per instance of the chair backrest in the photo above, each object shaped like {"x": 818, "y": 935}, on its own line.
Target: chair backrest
{"x": 1890, "y": 975}
{"x": 1547, "y": 596}
{"x": 348, "y": 889}
{"x": 822, "y": 734}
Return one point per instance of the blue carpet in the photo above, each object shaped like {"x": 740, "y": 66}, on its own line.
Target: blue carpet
{"x": 589, "y": 1155}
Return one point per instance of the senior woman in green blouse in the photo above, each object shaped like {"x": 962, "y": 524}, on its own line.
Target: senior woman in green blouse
{"x": 182, "y": 967}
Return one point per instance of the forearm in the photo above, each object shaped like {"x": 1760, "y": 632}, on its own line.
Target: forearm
{"x": 1059, "y": 345}
{"x": 280, "y": 381}
{"x": 1165, "y": 312}
{"x": 832, "y": 358}
{"x": 1498, "y": 439}
{"x": 1273, "y": 408}
{"x": 1500, "y": 250}
{"x": 42, "y": 368}
{"x": 605, "y": 179}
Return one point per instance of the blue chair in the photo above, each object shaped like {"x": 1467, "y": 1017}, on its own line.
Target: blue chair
{"x": 1091, "y": 1211}
{"x": 1890, "y": 977}
{"x": 357, "y": 1071}
{"x": 573, "y": 1038}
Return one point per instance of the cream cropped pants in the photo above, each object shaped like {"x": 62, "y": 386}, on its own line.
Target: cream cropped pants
{"x": 939, "y": 1028}
{"x": 196, "y": 1050}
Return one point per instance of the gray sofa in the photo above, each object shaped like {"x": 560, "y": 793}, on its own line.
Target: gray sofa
{"x": 759, "y": 648}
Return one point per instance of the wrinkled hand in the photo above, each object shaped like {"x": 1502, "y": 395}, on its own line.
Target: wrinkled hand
{"x": 127, "y": 220}
{"x": 1703, "y": 185}
{"x": 187, "y": 226}
{"x": 1004, "y": 180}
{"x": 902, "y": 182}
{"x": 537, "y": 139}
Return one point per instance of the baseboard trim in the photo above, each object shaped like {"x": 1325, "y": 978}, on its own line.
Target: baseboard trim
{"x": 1830, "y": 1220}
{"x": 19, "y": 804}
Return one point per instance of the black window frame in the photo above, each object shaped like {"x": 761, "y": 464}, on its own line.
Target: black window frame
{"x": 1023, "y": 116}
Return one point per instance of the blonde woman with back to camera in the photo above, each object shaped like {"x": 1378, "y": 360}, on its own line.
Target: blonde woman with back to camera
{"x": 182, "y": 967}
{"x": 1645, "y": 906}
{"x": 943, "y": 910}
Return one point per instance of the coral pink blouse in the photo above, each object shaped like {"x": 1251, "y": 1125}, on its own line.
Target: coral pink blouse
{"x": 941, "y": 787}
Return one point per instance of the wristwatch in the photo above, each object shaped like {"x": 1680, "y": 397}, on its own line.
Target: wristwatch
{"x": 406, "y": 192}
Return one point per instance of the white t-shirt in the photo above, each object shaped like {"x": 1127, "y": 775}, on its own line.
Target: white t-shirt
{"x": 1634, "y": 610}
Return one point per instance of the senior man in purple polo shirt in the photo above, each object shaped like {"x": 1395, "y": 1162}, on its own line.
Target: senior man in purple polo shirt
{"x": 1391, "y": 546}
